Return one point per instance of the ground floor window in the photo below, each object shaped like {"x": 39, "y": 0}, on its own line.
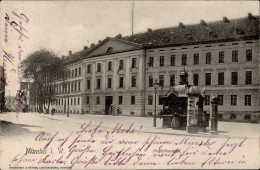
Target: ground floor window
{"x": 248, "y": 100}
{"x": 132, "y": 99}
{"x": 207, "y": 99}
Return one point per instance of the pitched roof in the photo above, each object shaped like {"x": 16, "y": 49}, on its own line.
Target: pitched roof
{"x": 199, "y": 33}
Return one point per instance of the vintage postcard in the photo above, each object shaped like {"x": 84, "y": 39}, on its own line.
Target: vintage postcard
{"x": 129, "y": 85}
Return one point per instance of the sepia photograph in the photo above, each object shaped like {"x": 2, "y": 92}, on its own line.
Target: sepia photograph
{"x": 129, "y": 84}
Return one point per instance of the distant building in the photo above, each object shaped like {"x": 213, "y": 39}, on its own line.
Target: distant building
{"x": 2, "y": 89}
{"x": 220, "y": 57}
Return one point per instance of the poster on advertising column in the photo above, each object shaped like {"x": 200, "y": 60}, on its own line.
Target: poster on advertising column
{"x": 107, "y": 85}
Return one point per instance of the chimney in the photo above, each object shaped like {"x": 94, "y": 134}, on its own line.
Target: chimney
{"x": 202, "y": 22}
{"x": 149, "y": 30}
{"x": 250, "y": 16}
{"x": 181, "y": 25}
{"x": 70, "y": 53}
{"x": 63, "y": 57}
{"x": 85, "y": 47}
{"x": 225, "y": 20}
{"x": 118, "y": 36}
{"x": 92, "y": 45}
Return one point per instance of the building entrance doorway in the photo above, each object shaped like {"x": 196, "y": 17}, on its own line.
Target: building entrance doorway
{"x": 109, "y": 101}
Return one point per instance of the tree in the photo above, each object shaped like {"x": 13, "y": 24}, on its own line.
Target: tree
{"x": 44, "y": 68}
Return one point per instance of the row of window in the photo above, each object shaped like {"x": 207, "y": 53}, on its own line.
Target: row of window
{"x": 233, "y": 100}
{"x": 72, "y": 86}
{"x": 196, "y": 56}
{"x": 74, "y": 72}
{"x": 120, "y": 100}
{"x": 109, "y": 65}
{"x": 69, "y": 101}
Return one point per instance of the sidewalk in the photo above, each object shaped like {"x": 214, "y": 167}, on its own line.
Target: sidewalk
{"x": 226, "y": 129}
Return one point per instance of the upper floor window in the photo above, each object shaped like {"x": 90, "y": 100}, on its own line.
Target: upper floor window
{"x": 234, "y": 78}
{"x": 72, "y": 73}
{"x": 221, "y": 57}
{"x": 161, "y": 61}
{"x": 208, "y": 58}
{"x": 235, "y": 56}
{"x": 184, "y": 59}
{"x": 151, "y": 61}
{"x": 221, "y": 78}
{"x": 173, "y": 60}
{"x": 196, "y": 59}
{"x": 133, "y": 62}
{"x": 195, "y": 79}
{"x": 109, "y": 66}
{"x": 248, "y": 77}
{"x": 99, "y": 67}
{"x": 133, "y": 81}
{"x": 150, "y": 81}
{"x": 89, "y": 68}
{"x": 109, "y": 82}
{"x": 233, "y": 100}
{"x": 76, "y": 72}
{"x": 79, "y": 83}
{"x": 121, "y": 64}
{"x": 207, "y": 79}
{"x": 79, "y": 71}
{"x": 161, "y": 80}
{"x": 121, "y": 82}
{"x": 109, "y": 50}
{"x": 249, "y": 55}
{"x": 172, "y": 80}
{"x": 98, "y": 83}
{"x": 248, "y": 100}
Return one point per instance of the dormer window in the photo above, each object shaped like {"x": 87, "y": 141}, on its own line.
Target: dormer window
{"x": 109, "y": 50}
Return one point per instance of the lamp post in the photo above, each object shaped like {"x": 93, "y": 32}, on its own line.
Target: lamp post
{"x": 155, "y": 85}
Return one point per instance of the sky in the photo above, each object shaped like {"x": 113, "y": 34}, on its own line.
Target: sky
{"x": 63, "y": 26}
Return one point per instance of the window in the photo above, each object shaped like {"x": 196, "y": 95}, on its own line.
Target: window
{"x": 88, "y": 68}
{"x": 88, "y": 84}
{"x": 232, "y": 116}
{"x": 132, "y": 99}
{"x": 109, "y": 65}
{"x": 151, "y": 61}
{"x": 76, "y": 72}
{"x": 150, "y": 81}
{"x": 248, "y": 100}
{"x": 78, "y": 100}
{"x": 235, "y": 56}
{"x": 133, "y": 62}
{"x": 173, "y": 60}
{"x": 72, "y": 85}
{"x": 99, "y": 67}
{"x": 160, "y": 100}
{"x": 161, "y": 61}
{"x": 161, "y": 80}
{"x": 220, "y": 99}
{"x": 208, "y": 58}
{"x": 172, "y": 80}
{"x": 150, "y": 100}
{"x": 247, "y": 117}
{"x": 195, "y": 79}
{"x": 133, "y": 81}
{"x": 71, "y": 101}
{"x": 98, "y": 83}
{"x": 234, "y": 78}
{"x": 79, "y": 85}
{"x": 207, "y": 99}
{"x": 98, "y": 100}
{"x": 249, "y": 55}
{"x": 248, "y": 77}
{"x": 184, "y": 59}
{"x": 120, "y": 99}
{"x": 121, "y": 64}
{"x": 109, "y": 50}
{"x": 69, "y": 73}
{"x": 79, "y": 71}
{"x": 109, "y": 82}
{"x": 221, "y": 78}
{"x": 121, "y": 82}
{"x": 75, "y": 101}
{"x": 233, "y": 100}
{"x": 87, "y": 100}
{"x": 75, "y": 85}
{"x": 208, "y": 79}
{"x": 72, "y": 73}
{"x": 221, "y": 57}
{"x": 196, "y": 59}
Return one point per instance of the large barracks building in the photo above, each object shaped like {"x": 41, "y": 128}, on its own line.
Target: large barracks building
{"x": 221, "y": 58}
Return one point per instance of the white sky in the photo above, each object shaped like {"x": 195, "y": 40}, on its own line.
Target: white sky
{"x": 62, "y": 26}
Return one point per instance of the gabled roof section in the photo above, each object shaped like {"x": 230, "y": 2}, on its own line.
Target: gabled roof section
{"x": 225, "y": 30}
{"x": 111, "y": 46}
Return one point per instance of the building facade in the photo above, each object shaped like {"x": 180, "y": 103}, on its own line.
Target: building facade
{"x": 221, "y": 58}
